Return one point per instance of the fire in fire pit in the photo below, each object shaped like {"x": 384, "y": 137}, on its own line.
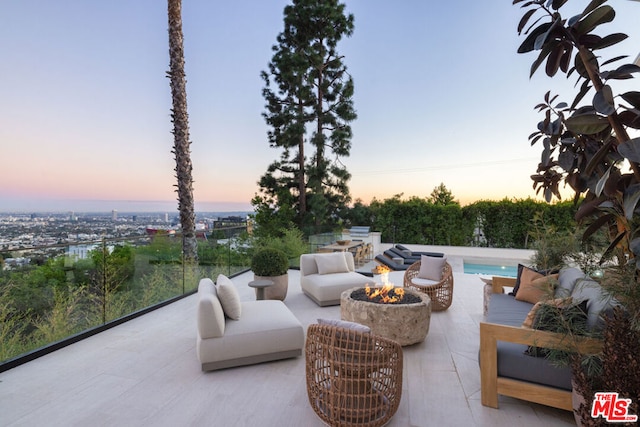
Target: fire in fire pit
{"x": 387, "y": 294}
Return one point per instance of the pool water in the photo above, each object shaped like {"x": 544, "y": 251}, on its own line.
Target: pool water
{"x": 491, "y": 270}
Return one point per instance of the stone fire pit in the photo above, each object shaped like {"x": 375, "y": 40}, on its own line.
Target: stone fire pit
{"x": 406, "y": 324}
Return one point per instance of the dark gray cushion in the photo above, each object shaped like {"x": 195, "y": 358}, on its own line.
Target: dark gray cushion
{"x": 408, "y": 258}
{"x": 418, "y": 253}
{"x": 506, "y": 310}
{"x": 394, "y": 253}
{"x": 514, "y": 363}
{"x": 390, "y": 263}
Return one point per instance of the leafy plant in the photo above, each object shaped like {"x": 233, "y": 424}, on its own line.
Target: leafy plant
{"x": 269, "y": 262}
{"x": 588, "y": 146}
{"x": 552, "y": 247}
{"x": 291, "y": 242}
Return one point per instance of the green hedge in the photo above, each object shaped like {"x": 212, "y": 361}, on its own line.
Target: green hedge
{"x": 505, "y": 224}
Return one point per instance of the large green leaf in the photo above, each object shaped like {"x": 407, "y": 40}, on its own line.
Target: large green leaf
{"x": 632, "y": 98}
{"x": 544, "y": 52}
{"x": 602, "y": 181}
{"x": 631, "y": 198}
{"x": 603, "y": 101}
{"x": 587, "y": 124}
{"x": 622, "y": 72}
{"x": 566, "y": 58}
{"x": 553, "y": 62}
{"x": 566, "y": 159}
{"x": 588, "y": 208}
{"x": 612, "y": 246}
{"x": 630, "y": 150}
{"x": 630, "y": 118}
{"x": 525, "y": 19}
{"x": 541, "y": 40}
{"x": 599, "y": 16}
{"x": 610, "y": 40}
{"x": 598, "y": 158}
{"x": 596, "y": 225}
{"x": 528, "y": 43}
{"x": 574, "y": 20}
{"x": 591, "y": 6}
{"x": 557, "y": 4}
{"x": 617, "y": 58}
{"x": 592, "y": 61}
{"x": 584, "y": 89}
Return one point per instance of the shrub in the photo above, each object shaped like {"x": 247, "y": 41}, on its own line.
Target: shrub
{"x": 269, "y": 262}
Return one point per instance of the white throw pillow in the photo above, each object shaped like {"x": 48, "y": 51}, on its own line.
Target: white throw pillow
{"x": 431, "y": 267}
{"x": 229, "y": 297}
{"x": 332, "y": 263}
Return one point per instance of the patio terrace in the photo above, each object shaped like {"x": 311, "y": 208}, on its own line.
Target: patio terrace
{"x": 145, "y": 373}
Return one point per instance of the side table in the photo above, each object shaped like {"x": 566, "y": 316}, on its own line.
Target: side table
{"x": 260, "y": 285}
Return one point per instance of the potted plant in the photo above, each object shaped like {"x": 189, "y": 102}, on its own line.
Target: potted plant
{"x": 272, "y": 264}
{"x": 589, "y": 148}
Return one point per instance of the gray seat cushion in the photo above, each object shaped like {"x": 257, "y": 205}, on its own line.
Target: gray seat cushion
{"x": 512, "y": 361}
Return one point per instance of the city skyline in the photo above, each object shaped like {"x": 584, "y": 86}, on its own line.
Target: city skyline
{"x": 440, "y": 92}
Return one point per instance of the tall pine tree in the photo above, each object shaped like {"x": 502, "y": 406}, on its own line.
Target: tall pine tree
{"x": 309, "y": 106}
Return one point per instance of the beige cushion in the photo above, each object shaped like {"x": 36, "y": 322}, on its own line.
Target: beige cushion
{"x": 332, "y": 263}
{"x": 535, "y": 287}
{"x": 327, "y": 289}
{"x": 229, "y": 298}
{"x": 211, "y": 321}
{"x": 431, "y": 267}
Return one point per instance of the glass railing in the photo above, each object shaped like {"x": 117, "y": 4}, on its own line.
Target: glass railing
{"x": 49, "y": 294}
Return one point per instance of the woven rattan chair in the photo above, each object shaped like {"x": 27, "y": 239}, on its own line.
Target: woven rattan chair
{"x": 353, "y": 378}
{"x": 441, "y": 293}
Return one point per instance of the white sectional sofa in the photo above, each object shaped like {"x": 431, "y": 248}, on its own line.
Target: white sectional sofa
{"x": 264, "y": 330}
{"x": 324, "y": 276}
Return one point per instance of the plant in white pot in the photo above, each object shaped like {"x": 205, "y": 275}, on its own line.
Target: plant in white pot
{"x": 272, "y": 264}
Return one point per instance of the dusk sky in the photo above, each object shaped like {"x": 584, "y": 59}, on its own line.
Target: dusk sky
{"x": 440, "y": 92}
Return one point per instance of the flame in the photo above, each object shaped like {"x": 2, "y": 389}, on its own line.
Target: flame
{"x": 384, "y": 293}
{"x": 381, "y": 269}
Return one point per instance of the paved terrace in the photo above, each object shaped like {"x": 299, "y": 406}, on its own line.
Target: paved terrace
{"x": 146, "y": 373}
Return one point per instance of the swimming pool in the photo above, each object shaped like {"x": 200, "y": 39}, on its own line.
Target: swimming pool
{"x": 491, "y": 270}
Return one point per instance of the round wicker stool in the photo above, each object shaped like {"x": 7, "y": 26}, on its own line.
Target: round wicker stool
{"x": 353, "y": 378}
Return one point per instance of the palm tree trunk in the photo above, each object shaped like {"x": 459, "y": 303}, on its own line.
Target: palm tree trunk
{"x": 180, "y": 118}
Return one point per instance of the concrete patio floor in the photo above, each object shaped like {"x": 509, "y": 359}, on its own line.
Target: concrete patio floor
{"x": 146, "y": 373}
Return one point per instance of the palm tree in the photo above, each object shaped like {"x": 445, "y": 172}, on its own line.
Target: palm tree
{"x": 180, "y": 119}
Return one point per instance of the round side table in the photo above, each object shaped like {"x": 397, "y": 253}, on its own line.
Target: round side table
{"x": 260, "y": 285}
